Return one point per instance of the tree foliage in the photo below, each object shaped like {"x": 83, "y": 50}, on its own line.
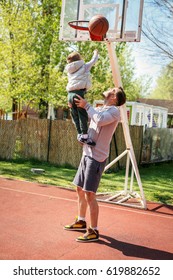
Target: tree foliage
{"x": 164, "y": 88}
{"x": 27, "y": 48}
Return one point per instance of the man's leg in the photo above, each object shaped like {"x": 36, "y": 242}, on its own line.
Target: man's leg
{"x": 93, "y": 209}
{"x": 92, "y": 233}
{"x": 84, "y": 199}
{"x": 93, "y": 172}
{"x": 82, "y": 203}
{"x": 80, "y": 223}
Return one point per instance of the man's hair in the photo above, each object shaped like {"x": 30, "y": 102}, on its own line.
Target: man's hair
{"x": 121, "y": 96}
{"x": 119, "y": 93}
{"x": 74, "y": 56}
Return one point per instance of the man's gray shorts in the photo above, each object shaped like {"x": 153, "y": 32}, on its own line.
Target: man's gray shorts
{"x": 89, "y": 174}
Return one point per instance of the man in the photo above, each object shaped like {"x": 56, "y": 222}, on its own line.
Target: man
{"x": 103, "y": 122}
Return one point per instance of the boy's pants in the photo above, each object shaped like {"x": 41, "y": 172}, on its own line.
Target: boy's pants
{"x": 79, "y": 115}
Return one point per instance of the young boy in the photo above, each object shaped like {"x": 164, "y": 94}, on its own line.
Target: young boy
{"x": 79, "y": 81}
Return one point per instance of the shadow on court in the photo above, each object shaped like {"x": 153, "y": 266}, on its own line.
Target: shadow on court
{"x": 135, "y": 251}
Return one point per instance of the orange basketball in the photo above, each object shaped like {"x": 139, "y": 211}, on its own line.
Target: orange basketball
{"x": 98, "y": 25}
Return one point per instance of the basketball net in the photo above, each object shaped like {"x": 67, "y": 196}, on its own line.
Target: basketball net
{"x": 95, "y": 37}
{"x": 76, "y": 25}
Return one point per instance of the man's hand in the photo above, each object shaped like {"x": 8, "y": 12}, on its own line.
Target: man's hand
{"x": 80, "y": 102}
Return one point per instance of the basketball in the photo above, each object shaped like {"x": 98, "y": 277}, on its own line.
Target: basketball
{"x": 98, "y": 25}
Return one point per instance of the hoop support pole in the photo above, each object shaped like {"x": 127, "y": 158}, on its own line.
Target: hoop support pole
{"x": 129, "y": 147}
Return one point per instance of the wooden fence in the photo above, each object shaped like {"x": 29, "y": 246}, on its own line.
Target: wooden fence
{"x": 55, "y": 141}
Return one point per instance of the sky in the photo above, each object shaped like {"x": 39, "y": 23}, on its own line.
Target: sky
{"x": 145, "y": 63}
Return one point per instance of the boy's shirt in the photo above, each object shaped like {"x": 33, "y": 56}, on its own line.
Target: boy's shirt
{"x": 79, "y": 74}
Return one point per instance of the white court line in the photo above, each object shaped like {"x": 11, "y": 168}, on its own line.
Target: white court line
{"x": 45, "y": 195}
{"x": 143, "y": 212}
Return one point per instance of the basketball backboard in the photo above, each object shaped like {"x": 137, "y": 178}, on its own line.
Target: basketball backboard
{"x": 124, "y": 16}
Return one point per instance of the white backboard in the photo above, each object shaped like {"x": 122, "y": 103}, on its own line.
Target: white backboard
{"x": 124, "y": 16}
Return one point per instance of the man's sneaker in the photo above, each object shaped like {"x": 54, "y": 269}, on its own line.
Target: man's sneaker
{"x": 90, "y": 236}
{"x": 77, "y": 225}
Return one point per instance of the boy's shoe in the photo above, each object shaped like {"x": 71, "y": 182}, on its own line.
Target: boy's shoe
{"x": 79, "y": 139}
{"x": 87, "y": 141}
{"x": 77, "y": 225}
{"x": 90, "y": 236}
{"x": 90, "y": 142}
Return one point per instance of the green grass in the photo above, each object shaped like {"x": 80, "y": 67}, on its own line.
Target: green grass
{"x": 157, "y": 179}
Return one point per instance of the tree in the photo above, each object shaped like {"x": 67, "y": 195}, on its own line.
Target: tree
{"x": 15, "y": 58}
{"x": 164, "y": 88}
{"x": 29, "y": 29}
{"x": 157, "y": 27}
{"x": 32, "y": 59}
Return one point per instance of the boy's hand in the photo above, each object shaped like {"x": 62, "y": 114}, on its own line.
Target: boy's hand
{"x": 95, "y": 51}
{"x": 80, "y": 102}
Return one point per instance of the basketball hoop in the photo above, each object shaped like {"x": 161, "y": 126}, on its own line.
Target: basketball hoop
{"x": 77, "y": 24}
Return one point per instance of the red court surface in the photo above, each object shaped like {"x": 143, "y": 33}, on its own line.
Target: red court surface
{"x": 32, "y": 217}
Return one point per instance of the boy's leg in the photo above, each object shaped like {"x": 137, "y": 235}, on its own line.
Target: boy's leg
{"x": 74, "y": 111}
{"x": 82, "y": 114}
{"x": 83, "y": 120}
{"x": 75, "y": 118}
